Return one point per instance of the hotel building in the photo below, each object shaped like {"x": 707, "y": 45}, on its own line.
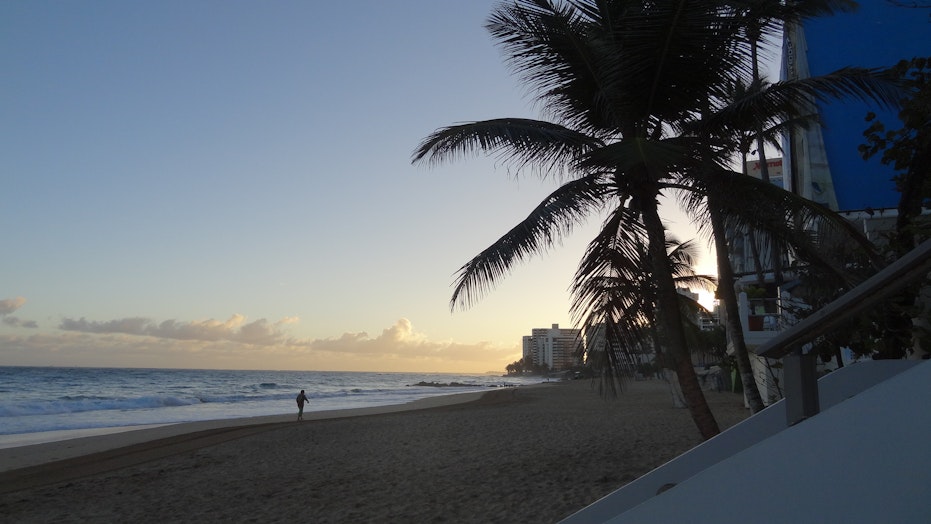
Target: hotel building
{"x": 555, "y": 347}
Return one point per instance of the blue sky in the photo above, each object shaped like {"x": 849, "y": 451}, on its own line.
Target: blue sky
{"x": 227, "y": 184}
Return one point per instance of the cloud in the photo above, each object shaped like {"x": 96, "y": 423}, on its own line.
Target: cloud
{"x": 238, "y": 344}
{"x": 259, "y": 332}
{"x": 17, "y": 322}
{"x": 10, "y": 305}
{"x": 401, "y": 341}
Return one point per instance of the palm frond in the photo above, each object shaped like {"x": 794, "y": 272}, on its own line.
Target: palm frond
{"x": 601, "y": 66}
{"x": 790, "y": 99}
{"x": 610, "y": 299}
{"x": 545, "y": 226}
{"x": 519, "y": 140}
{"x": 614, "y": 296}
{"x": 766, "y": 17}
{"x": 793, "y": 224}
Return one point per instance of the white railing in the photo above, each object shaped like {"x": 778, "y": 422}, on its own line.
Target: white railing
{"x": 801, "y": 384}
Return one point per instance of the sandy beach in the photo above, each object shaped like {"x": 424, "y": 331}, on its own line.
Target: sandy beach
{"x": 529, "y": 454}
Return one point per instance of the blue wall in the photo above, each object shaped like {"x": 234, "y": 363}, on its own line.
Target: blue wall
{"x": 876, "y": 35}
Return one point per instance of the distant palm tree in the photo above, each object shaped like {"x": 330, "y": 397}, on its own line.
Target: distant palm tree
{"x": 615, "y": 303}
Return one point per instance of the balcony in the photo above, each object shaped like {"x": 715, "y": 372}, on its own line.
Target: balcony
{"x": 762, "y": 314}
{"x": 760, "y": 318}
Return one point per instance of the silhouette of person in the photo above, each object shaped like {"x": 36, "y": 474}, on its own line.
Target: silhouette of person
{"x": 301, "y": 399}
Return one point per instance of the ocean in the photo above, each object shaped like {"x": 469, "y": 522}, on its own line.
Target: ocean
{"x": 52, "y": 399}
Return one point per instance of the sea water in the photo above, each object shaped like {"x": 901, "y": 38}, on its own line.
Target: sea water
{"x": 45, "y": 399}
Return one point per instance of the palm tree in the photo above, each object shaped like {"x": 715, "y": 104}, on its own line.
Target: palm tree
{"x": 763, "y": 15}
{"x": 614, "y": 302}
{"x": 615, "y": 76}
{"x": 783, "y": 220}
{"x": 619, "y": 80}
{"x": 765, "y": 18}
{"x": 764, "y": 126}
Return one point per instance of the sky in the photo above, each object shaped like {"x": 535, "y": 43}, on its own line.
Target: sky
{"x": 228, "y": 185}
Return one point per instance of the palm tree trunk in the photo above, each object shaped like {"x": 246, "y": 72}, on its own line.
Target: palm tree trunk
{"x": 733, "y": 327}
{"x": 757, "y": 260}
{"x": 670, "y": 322}
{"x": 776, "y": 257}
{"x": 666, "y": 369}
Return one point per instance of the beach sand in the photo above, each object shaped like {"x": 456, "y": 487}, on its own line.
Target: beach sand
{"x": 529, "y": 454}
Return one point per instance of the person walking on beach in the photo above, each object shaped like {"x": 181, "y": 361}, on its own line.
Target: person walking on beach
{"x": 301, "y": 399}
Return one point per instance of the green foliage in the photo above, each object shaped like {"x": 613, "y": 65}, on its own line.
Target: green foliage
{"x": 712, "y": 342}
{"x": 886, "y": 331}
{"x": 908, "y": 150}
{"x": 523, "y": 367}
{"x": 900, "y": 147}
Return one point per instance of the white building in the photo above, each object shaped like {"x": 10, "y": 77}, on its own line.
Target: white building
{"x": 822, "y": 162}
{"x": 555, "y": 347}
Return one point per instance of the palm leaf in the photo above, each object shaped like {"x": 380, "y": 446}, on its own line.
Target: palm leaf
{"x": 545, "y": 226}
{"x": 522, "y": 141}
{"x": 789, "y": 99}
{"x": 619, "y": 68}
{"x": 797, "y": 225}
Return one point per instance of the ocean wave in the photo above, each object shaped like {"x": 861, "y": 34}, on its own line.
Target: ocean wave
{"x": 85, "y": 403}
{"x": 80, "y": 404}
{"x": 89, "y": 398}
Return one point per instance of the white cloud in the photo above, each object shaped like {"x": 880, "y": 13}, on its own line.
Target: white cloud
{"x": 401, "y": 341}
{"x": 10, "y": 305}
{"x": 235, "y": 329}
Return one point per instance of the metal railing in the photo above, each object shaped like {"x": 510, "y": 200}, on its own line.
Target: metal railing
{"x": 800, "y": 377}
